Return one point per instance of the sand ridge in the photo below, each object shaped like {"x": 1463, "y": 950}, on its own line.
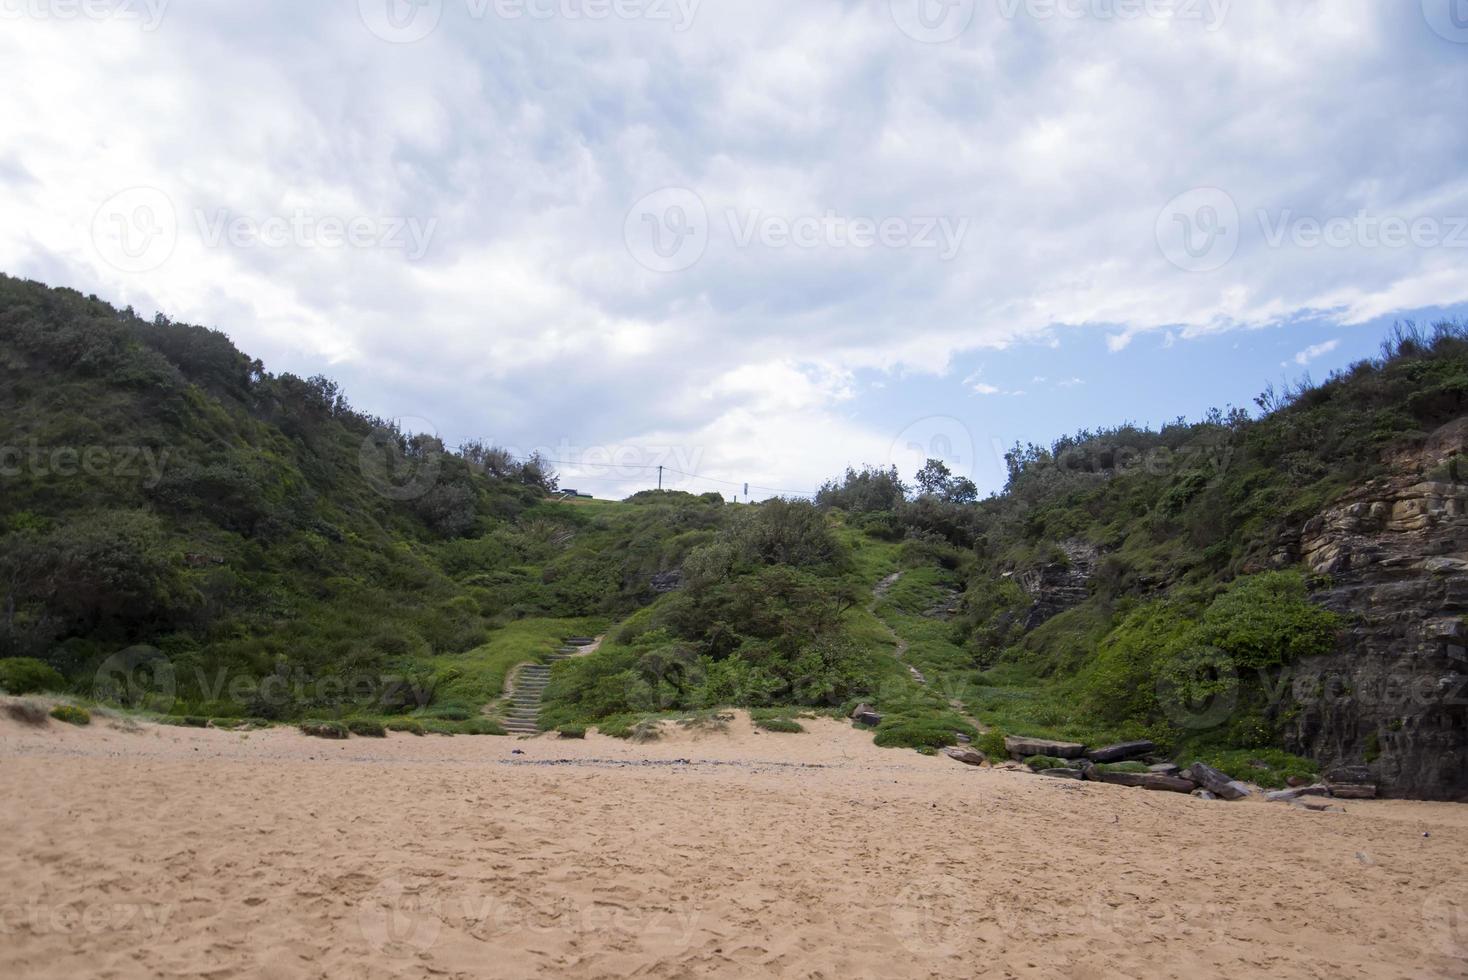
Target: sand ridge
{"x": 171, "y": 852}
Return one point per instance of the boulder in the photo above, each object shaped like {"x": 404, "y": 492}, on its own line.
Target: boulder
{"x": 1062, "y": 773}
{"x": 869, "y": 718}
{"x": 1167, "y": 784}
{"x": 1121, "y": 751}
{"x": 969, "y": 757}
{"x": 1023, "y": 748}
{"x": 1147, "y": 781}
{"x": 1203, "y": 794}
{"x": 1215, "y": 782}
{"x": 1352, "y": 791}
{"x": 862, "y": 709}
{"x": 1294, "y": 793}
{"x": 1165, "y": 769}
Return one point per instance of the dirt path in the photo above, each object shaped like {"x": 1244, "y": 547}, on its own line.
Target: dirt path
{"x": 879, "y": 592}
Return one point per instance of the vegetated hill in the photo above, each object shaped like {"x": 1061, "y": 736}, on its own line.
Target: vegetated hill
{"x": 1237, "y": 586}
{"x": 285, "y": 553}
{"x": 1264, "y": 593}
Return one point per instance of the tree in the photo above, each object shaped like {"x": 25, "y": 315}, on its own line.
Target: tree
{"x": 961, "y": 490}
{"x": 933, "y": 478}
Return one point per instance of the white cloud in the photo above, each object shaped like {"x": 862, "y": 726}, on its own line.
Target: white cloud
{"x": 1315, "y": 351}
{"x": 528, "y": 141}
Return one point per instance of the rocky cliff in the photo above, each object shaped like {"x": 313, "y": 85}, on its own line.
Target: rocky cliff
{"x": 1393, "y": 561}
{"x": 1061, "y": 585}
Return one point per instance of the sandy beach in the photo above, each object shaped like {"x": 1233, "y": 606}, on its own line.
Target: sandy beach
{"x": 167, "y": 852}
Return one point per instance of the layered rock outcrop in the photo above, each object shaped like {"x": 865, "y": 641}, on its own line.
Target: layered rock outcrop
{"x": 1393, "y": 697}
{"x": 1059, "y": 586}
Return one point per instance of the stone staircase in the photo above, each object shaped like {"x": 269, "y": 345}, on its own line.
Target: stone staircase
{"x": 521, "y": 714}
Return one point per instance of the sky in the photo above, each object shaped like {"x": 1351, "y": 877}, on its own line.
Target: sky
{"x": 752, "y": 242}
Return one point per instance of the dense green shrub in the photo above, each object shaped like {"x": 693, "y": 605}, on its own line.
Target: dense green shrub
{"x": 367, "y": 728}
{"x": 26, "y": 675}
{"x": 912, "y": 733}
{"x": 71, "y": 714}
{"x": 572, "y": 731}
{"x": 788, "y": 726}
{"x": 324, "y": 729}
{"x": 407, "y": 725}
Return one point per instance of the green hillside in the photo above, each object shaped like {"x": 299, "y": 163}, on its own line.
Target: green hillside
{"x": 167, "y": 501}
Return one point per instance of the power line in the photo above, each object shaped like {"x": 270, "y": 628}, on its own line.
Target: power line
{"x": 650, "y": 467}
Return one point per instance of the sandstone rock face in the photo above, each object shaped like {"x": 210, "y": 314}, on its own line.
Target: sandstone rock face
{"x": 1393, "y": 697}
{"x": 1061, "y": 585}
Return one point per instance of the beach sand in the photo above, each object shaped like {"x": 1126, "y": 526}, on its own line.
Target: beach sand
{"x": 168, "y": 852}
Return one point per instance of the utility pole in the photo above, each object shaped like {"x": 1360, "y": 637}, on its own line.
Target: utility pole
{"x": 660, "y": 478}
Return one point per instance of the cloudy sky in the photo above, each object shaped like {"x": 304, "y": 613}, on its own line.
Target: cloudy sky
{"x": 752, "y": 240}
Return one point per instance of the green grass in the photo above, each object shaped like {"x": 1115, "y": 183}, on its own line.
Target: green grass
{"x": 1134, "y": 767}
{"x": 409, "y": 726}
{"x": 784, "y": 726}
{"x": 367, "y": 728}
{"x": 324, "y": 729}
{"x": 1269, "y": 768}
